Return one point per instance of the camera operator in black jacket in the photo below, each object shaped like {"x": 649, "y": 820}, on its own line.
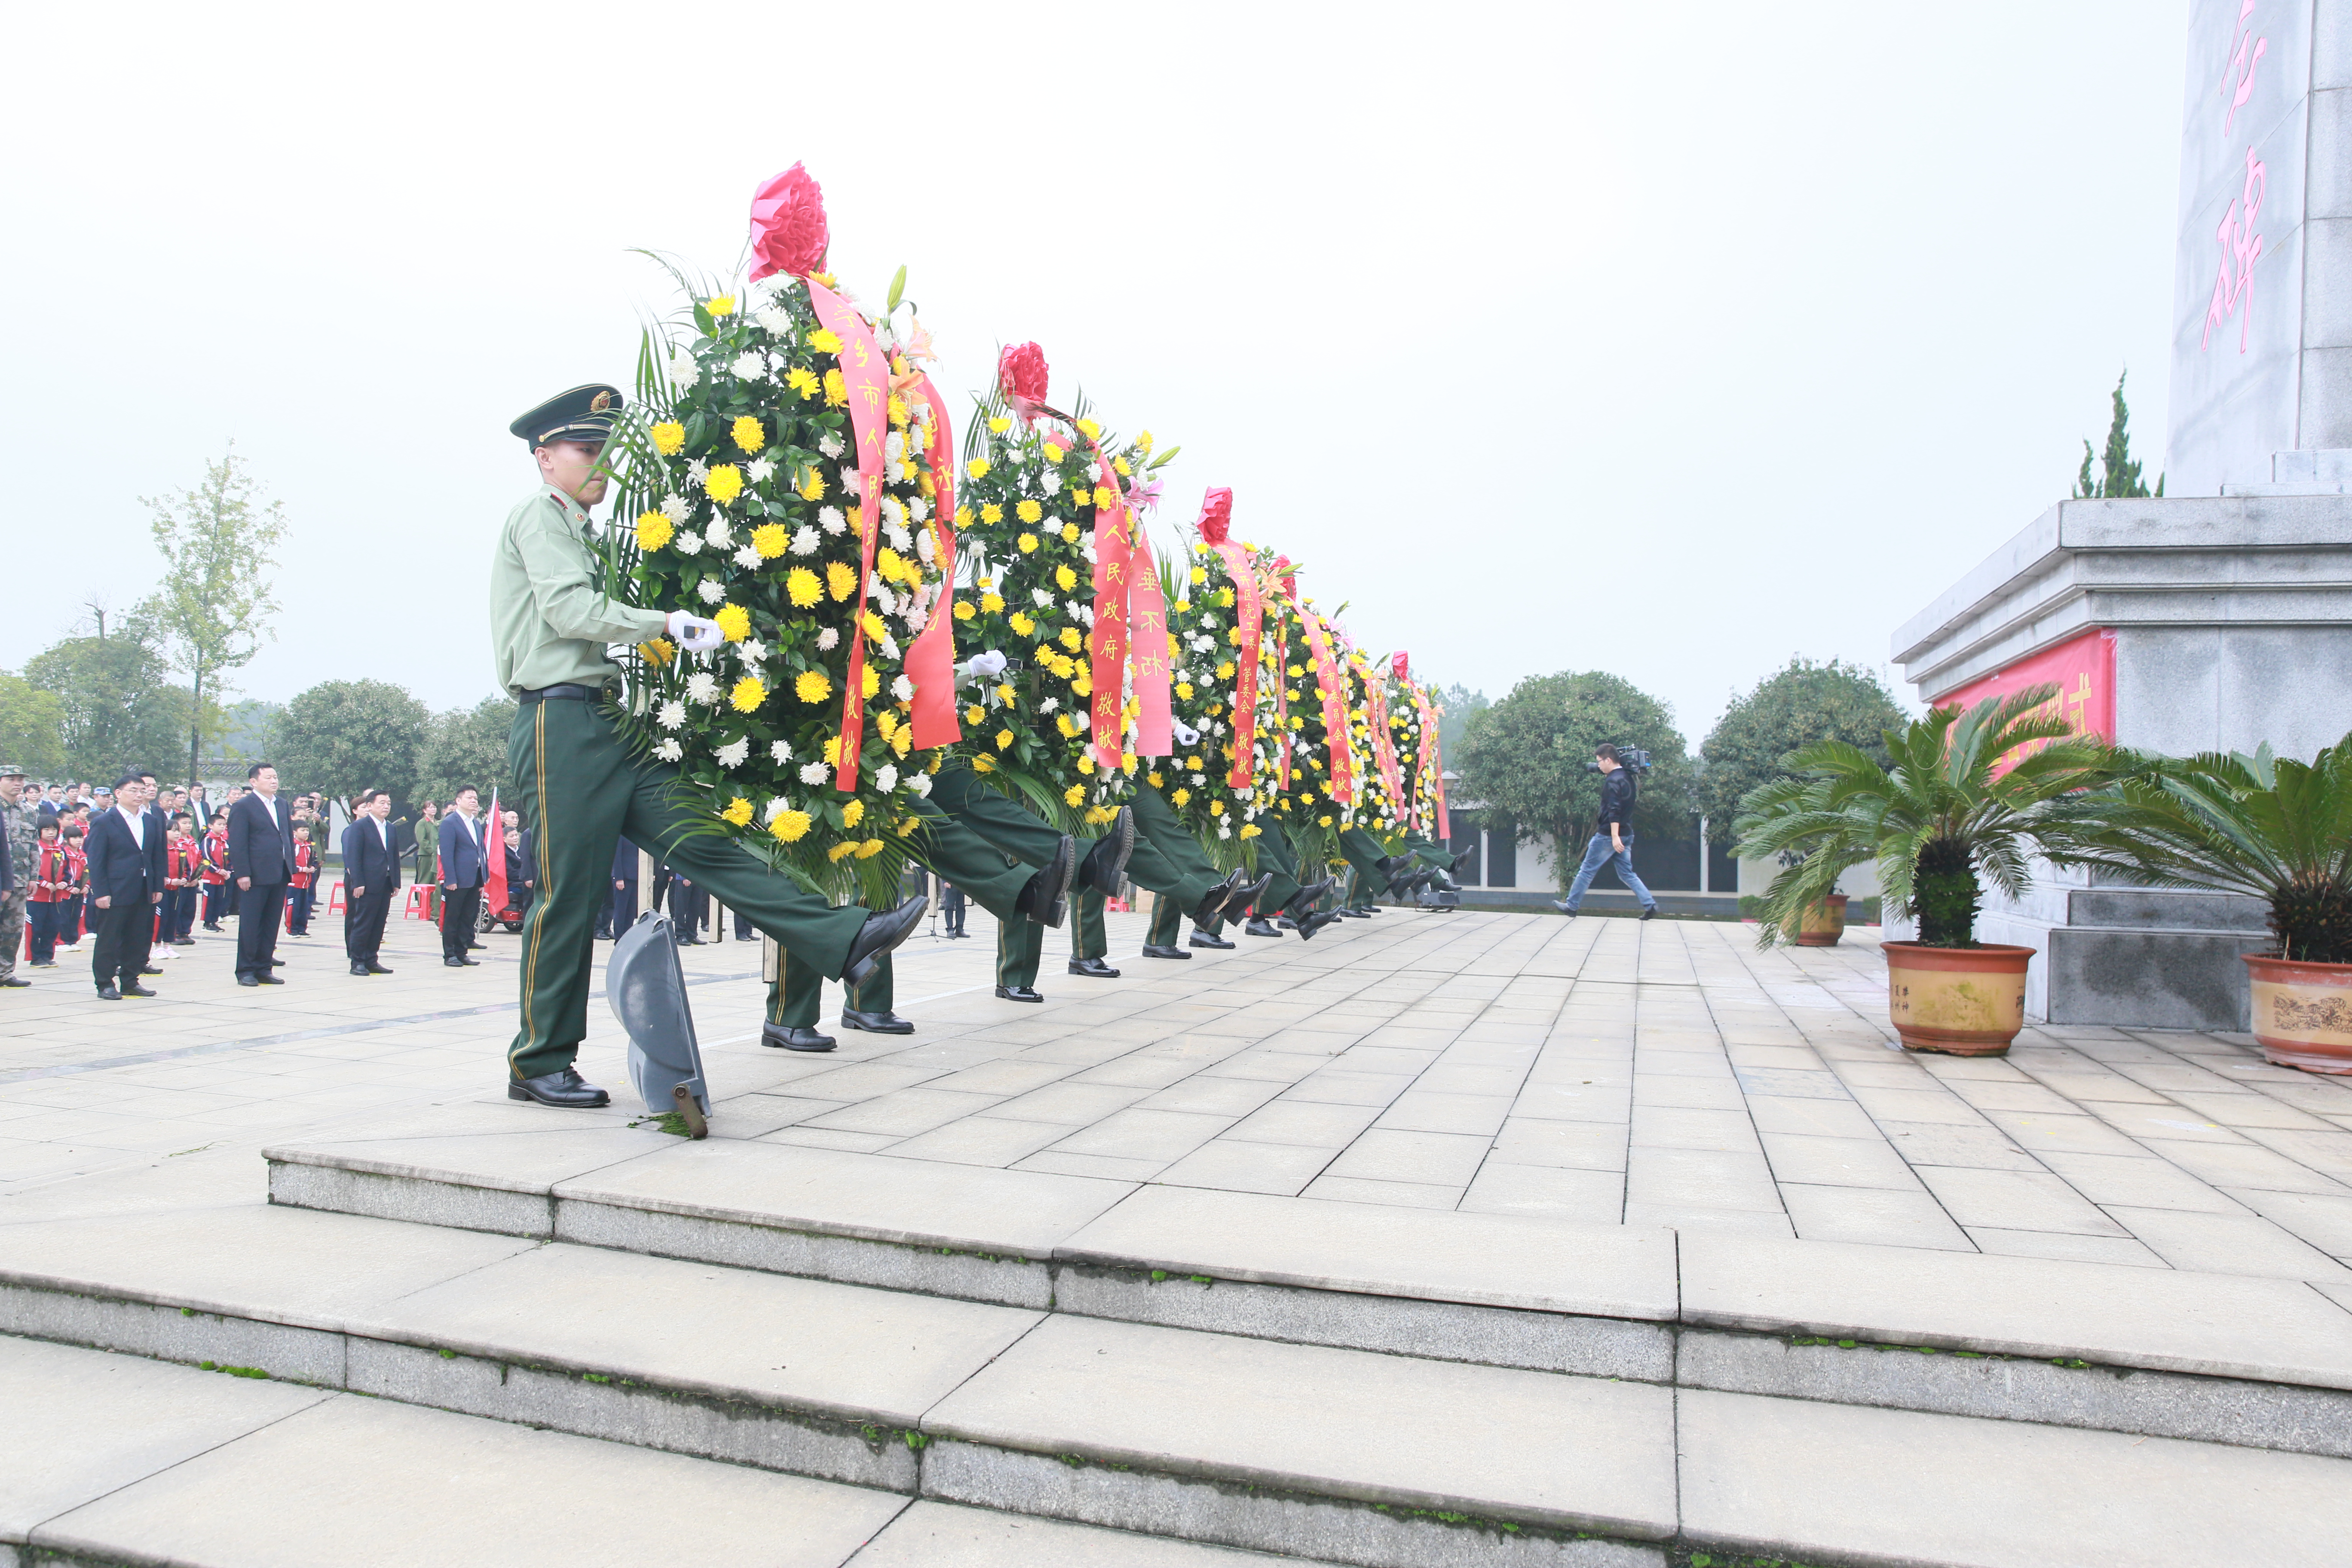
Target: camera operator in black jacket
{"x": 1612, "y": 837}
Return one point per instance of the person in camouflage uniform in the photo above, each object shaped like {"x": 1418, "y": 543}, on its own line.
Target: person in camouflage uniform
{"x": 20, "y": 819}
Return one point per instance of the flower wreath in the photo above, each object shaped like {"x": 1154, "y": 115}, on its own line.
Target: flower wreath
{"x": 1209, "y": 638}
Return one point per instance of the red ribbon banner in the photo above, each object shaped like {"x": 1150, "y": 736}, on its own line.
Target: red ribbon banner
{"x": 1146, "y": 636}
{"x": 866, "y": 370}
{"x": 1334, "y": 683}
{"x": 1110, "y": 635}
{"x": 1376, "y": 714}
{"x": 931, "y": 661}
{"x": 1433, "y": 763}
{"x": 1248, "y": 614}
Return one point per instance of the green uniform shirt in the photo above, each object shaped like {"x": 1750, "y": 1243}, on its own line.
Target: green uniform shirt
{"x": 549, "y": 625}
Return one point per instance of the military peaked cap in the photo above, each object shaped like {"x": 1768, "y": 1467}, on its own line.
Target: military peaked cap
{"x": 583, "y": 413}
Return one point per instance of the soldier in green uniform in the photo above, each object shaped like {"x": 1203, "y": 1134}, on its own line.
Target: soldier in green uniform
{"x": 1292, "y": 900}
{"x": 20, "y": 821}
{"x": 579, "y": 788}
{"x": 866, "y": 1004}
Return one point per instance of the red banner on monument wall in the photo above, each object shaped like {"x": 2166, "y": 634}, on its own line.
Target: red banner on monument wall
{"x": 2083, "y": 668}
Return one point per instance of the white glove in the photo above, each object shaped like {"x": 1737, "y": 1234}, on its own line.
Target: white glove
{"x": 985, "y": 665}
{"x": 694, "y": 634}
{"x": 1184, "y": 732}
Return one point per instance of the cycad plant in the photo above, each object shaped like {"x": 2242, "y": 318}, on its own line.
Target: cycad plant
{"x": 1943, "y": 812}
{"x": 2269, "y": 827}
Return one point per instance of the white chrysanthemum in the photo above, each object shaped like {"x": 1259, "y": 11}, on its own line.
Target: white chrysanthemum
{"x": 1080, "y": 717}
{"x": 752, "y": 651}
{"x": 711, "y": 591}
{"x": 1049, "y": 705}
{"x": 852, "y": 482}
{"x": 815, "y": 772}
{"x": 702, "y": 686}
{"x": 917, "y": 508}
{"x": 889, "y": 646}
{"x": 897, "y": 473}
{"x": 920, "y": 783}
{"x": 689, "y": 543}
{"x": 803, "y": 542}
{"x": 669, "y": 750}
{"x": 759, "y": 470}
{"x": 887, "y": 777}
{"x": 718, "y": 535}
{"x": 776, "y": 323}
{"x": 683, "y": 372}
{"x": 1042, "y": 598}
{"x": 903, "y": 690}
{"x": 1082, "y": 611}
{"x": 676, "y": 507}
{"x": 894, "y": 446}
{"x": 827, "y": 639}
{"x": 831, "y": 520}
{"x": 829, "y": 444}
{"x": 749, "y": 559}
{"x": 1199, "y": 779}
{"x": 670, "y": 715}
{"x": 732, "y": 754}
{"x": 1224, "y": 830}
{"x": 780, "y": 752}
{"x": 1086, "y": 548}
{"x": 925, "y": 551}
{"x": 894, "y": 514}
{"x": 697, "y": 471}
{"x": 749, "y": 367}
{"x": 776, "y": 807}
{"x": 879, "y": 593}
{"x": 1204, "y": 644}
{"x": 916, "y": 617}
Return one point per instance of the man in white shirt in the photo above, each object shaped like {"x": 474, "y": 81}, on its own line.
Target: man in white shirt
{"x": 371, "y": 877}
{"x": 464, "y": 868}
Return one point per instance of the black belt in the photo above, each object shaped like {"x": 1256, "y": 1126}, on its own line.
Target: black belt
{"x": 564, "y": 694}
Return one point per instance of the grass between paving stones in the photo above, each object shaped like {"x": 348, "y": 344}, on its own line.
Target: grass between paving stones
{"x": 669, "y": 1121}
{"x": 2072, "y": 1362}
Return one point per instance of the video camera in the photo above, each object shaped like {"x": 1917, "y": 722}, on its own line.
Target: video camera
{"x": 1632, "y": 757}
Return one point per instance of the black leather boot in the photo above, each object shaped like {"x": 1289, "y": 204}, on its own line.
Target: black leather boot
{"x": 565, "y": 1090}
{"x": 792, "y": 1037}
{"x": 1045, "y": 899}
{"x": 1094, "y": 968}
{"x": 883, "y": 1023}
{"x": 1106, "y": 863}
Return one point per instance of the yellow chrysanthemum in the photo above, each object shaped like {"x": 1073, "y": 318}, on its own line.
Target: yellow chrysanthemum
{"x": 802, "y": 586}
{"x": 654, "y": 530}
{"x": 983, "y": 764}
{"x": 1120, "y": 465}
{"x": 1251, "y": 830}
{"x": 991, "y": 512}
{"x": 724, "y": 482}
{"x": 893, "y": 566}
{"x": 1003, "y": 739}
{"x": 771, "y": 540}
{"x": 1184, "y": 690}
{"x": 790, "y": 826}
{"x": 1069, "y": 533}
{"x": 1020, "y": 621}
{"x": 1005, "y": 691}
{"x": 749, "y": 434}
{"x": 812, "y": 484}
{"x": 1179, "y": 798}
{"x": 720, "y": 304}
{"x": 900, "y": 413}
{"x": 1192, "y": 764}
{"x": 870, "y": 682}
{"x": 1105, "y": 496}
{"x": 1062, "y": 722}
{"x": 872, "y": 621}
{"x": 841, "y": 851}
{"x": 839, "y": 579}
{"x": 1225, "y": 670}
{"x": 853, "y": 814}
{"x": 992, "y": 603}
{"x": 1156, "y": 779}
{"x": 749, "y": 693}
{"x": 833, "y": 752}
{"x": 903, "y": 742}
{"x": 1216, "y": 808}
{"x": 1027, "y": 543}
{"x": 734, "y": 622}
{"x": 823, "y": 342}
{"x": 1082, "y": 687}
{"x": 1069, "y": 638}
{"x": 813, "y": 686}
{"x": 803, "y": 380}
{"x": 837, "y": 390}
{"x": 1000, "y": 425}
{"x": 1028, "y": 511}
{"x": 1064, "y": 579}
{"x": 1199, "y": 574}
{"x": 1143, "y": 443}
{"x": 738, "y": 812}
{"x": 963, "y": 610}
{"x": 1323, "y": 821}
{"x": 1297, "y": 722}
{"x": 669, "y": 438}
{"x": 871, "y": 848}
{"x": 658, "y": 652}
{"x": 977, "y": 468}
{"x": 1074, "y": 794}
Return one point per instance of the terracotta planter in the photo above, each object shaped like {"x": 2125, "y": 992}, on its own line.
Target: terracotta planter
{"x": 2303, "y": 1013}
{"x": 1960, "y": 1001}
{"x": 1824, "y": 922}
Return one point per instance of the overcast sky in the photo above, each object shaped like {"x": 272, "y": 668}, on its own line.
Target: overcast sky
{"x": 1670, "y": 340}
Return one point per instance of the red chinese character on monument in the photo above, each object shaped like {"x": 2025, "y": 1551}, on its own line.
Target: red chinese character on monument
{"x": 2246, "y": 52}
{"x": 2241, "y": 245}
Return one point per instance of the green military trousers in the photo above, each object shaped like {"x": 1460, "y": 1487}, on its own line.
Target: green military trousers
{"x": 580, "y": 790}
{"x": 798, "y": 1000}
{"x": 1165, "y": 859}
{"x": 1364, "y": 855}
{"x": 1021, "y": 945}
{"x": 1167, "y": 922}
{"x": 1274, "y": 854}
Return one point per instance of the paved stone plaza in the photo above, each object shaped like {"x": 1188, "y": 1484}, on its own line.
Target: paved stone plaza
{"x": 1599, "y": 1070}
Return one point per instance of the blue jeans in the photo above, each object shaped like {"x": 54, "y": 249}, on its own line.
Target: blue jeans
{"x": 1598, "y": 854}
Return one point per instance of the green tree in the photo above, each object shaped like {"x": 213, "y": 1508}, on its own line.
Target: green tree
{"x": 2122, "y": 471}
{"x": 121, "y": 707}
{"x": 1803, "y": 703}
{"x": 466, "y": 746}
{"x": 1526, "y": 756}
{"x": 211, "y": 611}
{"x": 245, "y": 732}
{"x": 1460, "y": 703}
{"x": 343, "y": 736}
{"x": 31, "y": 727}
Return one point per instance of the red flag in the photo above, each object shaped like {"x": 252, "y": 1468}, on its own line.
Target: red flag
{"x": 494, "y": 858}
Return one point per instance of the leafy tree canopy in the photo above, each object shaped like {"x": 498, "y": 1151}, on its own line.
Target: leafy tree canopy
{"x": 2120, "y": 470}
{"x": 1526, "y": 755}
{"x": 31, "y": 727}
{"x": 1803, "y": 703}
{"x": 466, "y": 746}
{"x": 343, "y": 736}
{"x": 121, "y": 709}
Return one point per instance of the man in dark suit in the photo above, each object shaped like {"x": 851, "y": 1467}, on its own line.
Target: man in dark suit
{"x": 621, "y": 909}
{"x": 126, "y": 883}
{"x": 261, "y": 861}
{"x": 465, "y": 867}
{"x": 370, "y": 877}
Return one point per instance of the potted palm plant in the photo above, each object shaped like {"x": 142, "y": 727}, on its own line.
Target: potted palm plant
{"x": 2271, "y": 829}
{"x": 1965, "y": 795}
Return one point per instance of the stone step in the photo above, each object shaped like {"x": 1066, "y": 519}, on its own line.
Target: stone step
{"x": 2215, "y": 1358}
{"x": 1217, "y": 1441}
{"x": 111, "y": 1458}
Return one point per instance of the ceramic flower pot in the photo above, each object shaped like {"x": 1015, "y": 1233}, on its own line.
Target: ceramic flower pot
{"x": 2303, "y": 1013}
{"x": 1824, "y": 922}
{"x": 1960, "y": 1001}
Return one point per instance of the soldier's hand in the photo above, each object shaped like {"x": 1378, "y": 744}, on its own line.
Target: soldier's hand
{"x": 694, "y": 634}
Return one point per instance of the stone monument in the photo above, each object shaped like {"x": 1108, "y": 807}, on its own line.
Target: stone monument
{"x": 2219, "y": 616}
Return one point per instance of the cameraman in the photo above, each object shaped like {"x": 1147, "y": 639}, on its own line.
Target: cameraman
{"x": 1611, "y": 838}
